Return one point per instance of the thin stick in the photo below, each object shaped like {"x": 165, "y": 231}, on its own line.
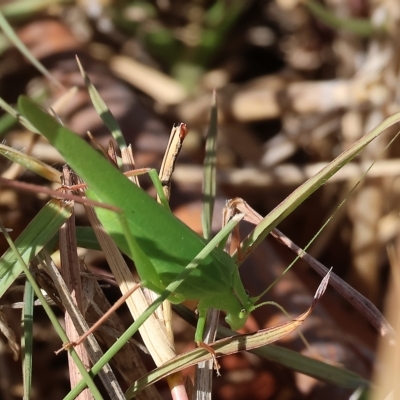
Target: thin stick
{"x": 178, "y": 134}
{"x": 70, "y": 271}
{"x": 29, "y": 187}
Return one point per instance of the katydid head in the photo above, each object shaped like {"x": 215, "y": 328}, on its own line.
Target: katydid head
{"x": 236, "y": 320}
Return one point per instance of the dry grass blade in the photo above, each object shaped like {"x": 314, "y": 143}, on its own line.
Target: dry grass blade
{"x": 136, "y": 303}
{"x": 71, "y": 274}
{"x": 156, "y": 84}
{"x": 227, "y": 346}
{"x": 174, "y": 146}
{"x": 9, "y": 334}
{"x": 362, "y": 304}
{"x": 163, "y": 314}
{"x": 31, "y": 163}
{"x": 386, "y": 375}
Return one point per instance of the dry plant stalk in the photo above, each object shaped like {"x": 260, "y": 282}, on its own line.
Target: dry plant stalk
{"x": 72, "y": 277}
{"x": 174, "y": 146}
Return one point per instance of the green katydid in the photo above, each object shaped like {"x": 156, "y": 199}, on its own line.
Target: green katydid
{"x": 168, "y": 243}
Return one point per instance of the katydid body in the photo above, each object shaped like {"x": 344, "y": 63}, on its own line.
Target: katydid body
{"x": 168, "y": 243}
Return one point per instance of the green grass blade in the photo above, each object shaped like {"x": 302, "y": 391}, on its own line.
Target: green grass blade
{"x": 317, "y": 369}
{"x": 159, "y": 189}
{"x": 102, "y": 109}
{"x": 362, "y": 27}
{"x": 27, "y": 338}
{"x": 6, "y": 121}
{"x": 40, "y": 230}
{"x": 31, "y": 163}
{"x": 210, "y": 178}
{"x": 15, "y": 114}
{"x": 280, "y": 212}
{"x": 11, "y": 35}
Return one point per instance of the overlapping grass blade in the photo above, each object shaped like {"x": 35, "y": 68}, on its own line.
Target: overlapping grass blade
{"x": 35, "y": 236}
{"x": 291, "y": 202}
{"x": 31, "y": 163}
